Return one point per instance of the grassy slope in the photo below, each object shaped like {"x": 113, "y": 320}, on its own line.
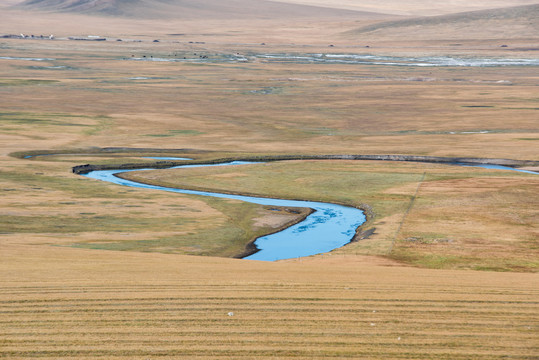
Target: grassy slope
{"x": 188, "y": 9}
{"x": 510, "y": 22}
{"x": 414, "y": 7}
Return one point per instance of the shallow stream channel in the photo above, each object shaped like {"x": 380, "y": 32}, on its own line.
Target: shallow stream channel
{"x": 330, "y": 226}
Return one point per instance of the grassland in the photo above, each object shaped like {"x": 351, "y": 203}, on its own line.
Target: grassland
{"x": 117, "y": 305}
{"x": 419, "y": 214}
{"x": 92, "y": 270}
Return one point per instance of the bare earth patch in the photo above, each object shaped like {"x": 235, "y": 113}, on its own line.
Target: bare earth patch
{"x": 275, "y": 218}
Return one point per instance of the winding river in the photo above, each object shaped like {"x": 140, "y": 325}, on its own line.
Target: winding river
{"x": 330, "y": 226}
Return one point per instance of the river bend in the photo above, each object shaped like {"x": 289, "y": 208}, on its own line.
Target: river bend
{"x": 330, "y": 226}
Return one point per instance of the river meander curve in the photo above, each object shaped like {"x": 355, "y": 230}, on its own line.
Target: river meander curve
{"x": 330, "y": 226}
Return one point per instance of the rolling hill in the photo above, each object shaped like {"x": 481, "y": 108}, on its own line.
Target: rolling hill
{"x": 413, "y": 7}
{"x": 510, "y": 22}
{"x": 191, "y": 9}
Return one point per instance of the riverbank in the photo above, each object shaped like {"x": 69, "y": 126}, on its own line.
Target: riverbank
{"x": 251, "y": 248}
{"x": 84, "y": 169}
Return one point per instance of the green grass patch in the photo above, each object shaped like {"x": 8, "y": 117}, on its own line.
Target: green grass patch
{"x": 26, "y": 82}
{"x": 53, "y": 119}
{"x": 171, "y": 133}
{"x": 85, "y": 223}
{"x": 432, "y": 261}
{"x": 48, "y": 125}
{"x": 226, "y": 240}
{"x": 350, "y": 183}
{"x": 103, "y": 123}
{"x": 79, "y": 188}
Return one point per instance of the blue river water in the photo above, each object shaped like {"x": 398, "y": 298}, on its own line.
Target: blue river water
{"x": 330, "y": 226}
{"x": 348, "y": 58}
{"x": 500, "y": 167}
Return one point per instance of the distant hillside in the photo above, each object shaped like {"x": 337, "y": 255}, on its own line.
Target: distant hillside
{"x": 191, "y": 9}
{"x": 518, "y": 21}
{"x": 414, "y": 7}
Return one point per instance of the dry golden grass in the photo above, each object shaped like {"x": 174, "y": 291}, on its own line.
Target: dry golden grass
{"x": 323, "y": 109}
{"x": 69, "y": 303}
{"x": 472, "y": 223}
